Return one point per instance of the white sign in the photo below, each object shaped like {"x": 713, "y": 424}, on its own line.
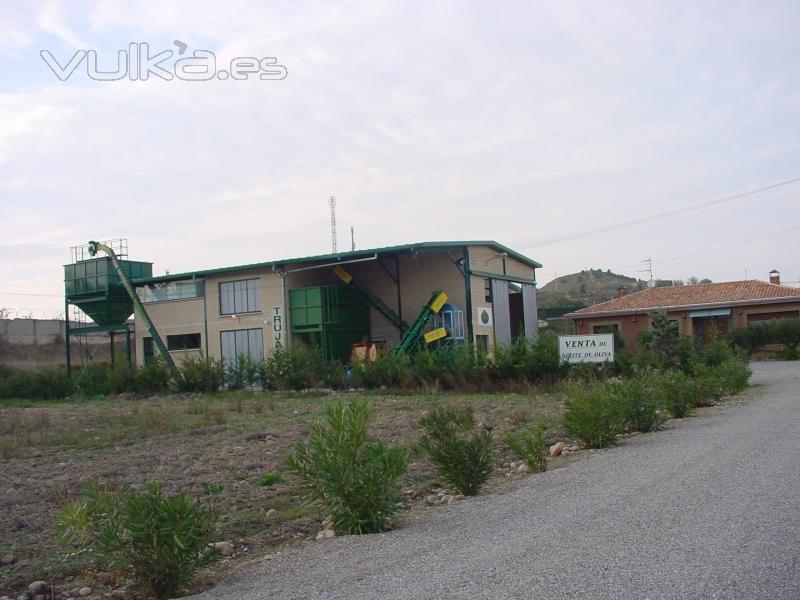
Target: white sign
{"x": 277, "y": 327}
{"x": 597, "y": 348}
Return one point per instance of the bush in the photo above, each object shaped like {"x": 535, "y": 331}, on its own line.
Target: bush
{"x": 530, "y": 445}
{"x": 296, "y": 367}
{"x": 391, "y": 370}
{"x": 594, "y": 414}
{"x": 161, "y": 541}
{"x": 354, "y": 476}
{"x": 44, "y": 384}
{"x": 640, "y": 402}
{"x": 733, "y": 376}
{"x": 462, "y": 454}
{"x": 679, "y": 393}
{"x": 201, "y": 375}
{"x": 241, "y": 372}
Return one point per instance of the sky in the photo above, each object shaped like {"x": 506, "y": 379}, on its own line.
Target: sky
{"x": 528, "y": 123}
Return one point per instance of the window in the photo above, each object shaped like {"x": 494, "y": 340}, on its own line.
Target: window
{"x": 482, "y": 343}
{"x": 148, "y": 349}
{"x": 172, "y": 290}
{"x": 614, "y": 328}
{"x": 240, "y": 297}
{"x": 184, "y": 341}
{"x": 762, "y": 318}
{"x": 248, "y": 342}
{"x": 487, "y": 290}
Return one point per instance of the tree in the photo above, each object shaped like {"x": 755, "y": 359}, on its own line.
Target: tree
{"x": 706, "y": 280}
{"x": 666, "y": 339}
{"x": 693, "y": 280}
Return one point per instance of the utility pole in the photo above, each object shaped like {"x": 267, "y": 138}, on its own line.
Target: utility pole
{"x": 332, "y": 202}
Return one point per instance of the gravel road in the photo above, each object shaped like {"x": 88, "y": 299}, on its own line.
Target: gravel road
{"x": 709, "y": 508}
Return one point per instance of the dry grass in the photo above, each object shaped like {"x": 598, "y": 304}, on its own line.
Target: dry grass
{"x": 216, "y": 447}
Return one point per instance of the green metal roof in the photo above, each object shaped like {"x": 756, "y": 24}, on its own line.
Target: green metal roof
{"x": 343, "y": 256}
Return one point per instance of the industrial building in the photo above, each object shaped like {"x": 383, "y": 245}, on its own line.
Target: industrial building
{"x": 367, "y": 300}
{"x": 704, "y": 311}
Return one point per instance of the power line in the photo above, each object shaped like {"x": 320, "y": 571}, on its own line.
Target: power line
{"x": 662, "y": 215}
{"x": 720, "y": 248}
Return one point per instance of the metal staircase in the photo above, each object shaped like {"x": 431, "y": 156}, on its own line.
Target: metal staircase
{"x": 374, "y": 300}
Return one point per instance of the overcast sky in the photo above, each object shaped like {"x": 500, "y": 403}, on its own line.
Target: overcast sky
{"x": 519, "y": 122}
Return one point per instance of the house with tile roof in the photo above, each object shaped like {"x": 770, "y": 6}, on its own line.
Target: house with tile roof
{"x": 703, "y": 311}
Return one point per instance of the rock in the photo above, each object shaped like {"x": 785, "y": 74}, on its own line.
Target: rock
{"x": 119, "y": 593}
{"x": 557, "y": 449}
{"x": 84, "y": 591}
{"x": 523, "y": 468}
{"x": 8, "y": 559}
{"x": 105, "y": 578}
{"x": 272, "y": 515}
{"x": 433, "y": 500}
{"x": 4, "y": 598}
{"x": 445, "y": 499}
{"x": 457, "y": 498}
{"x": 39, "y": 597}
{"x": 224, "y": 548}
{"x": 326, "y": 534}
{"x": 37, "y": 587}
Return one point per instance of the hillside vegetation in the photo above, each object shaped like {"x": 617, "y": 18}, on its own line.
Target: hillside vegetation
{"x": 586, "y": 288}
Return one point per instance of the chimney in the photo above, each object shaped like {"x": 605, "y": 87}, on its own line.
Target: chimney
{"x": 775, "y": 277}
{"x": 621, "y": 291}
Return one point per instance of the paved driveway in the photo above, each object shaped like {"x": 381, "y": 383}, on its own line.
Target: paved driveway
{"x": 707, "y": 509}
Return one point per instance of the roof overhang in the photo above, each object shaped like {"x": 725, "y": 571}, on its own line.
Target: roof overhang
{"x": 682, "y": 307}
{"x": 343, "y": 256}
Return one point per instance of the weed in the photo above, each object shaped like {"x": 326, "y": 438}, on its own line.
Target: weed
{"x": 270, "y": 479}
{"x": 530, "y": 445}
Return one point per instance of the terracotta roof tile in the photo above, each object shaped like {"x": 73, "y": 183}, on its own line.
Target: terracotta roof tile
{"x": 686, "y": 296}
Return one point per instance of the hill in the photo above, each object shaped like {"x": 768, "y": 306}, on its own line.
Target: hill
{"x": 586, "y": 288}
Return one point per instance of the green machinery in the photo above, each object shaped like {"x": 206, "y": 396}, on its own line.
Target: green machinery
{"x": 332, "y": 318}
{"x": 336, "y": 317}
{"x": 101, "y": 287}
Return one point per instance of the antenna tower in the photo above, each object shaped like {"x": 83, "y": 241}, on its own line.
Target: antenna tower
{"x": 332, "y": 202}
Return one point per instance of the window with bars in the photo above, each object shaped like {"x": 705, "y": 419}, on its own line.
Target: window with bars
{"x": 237, "y": 297}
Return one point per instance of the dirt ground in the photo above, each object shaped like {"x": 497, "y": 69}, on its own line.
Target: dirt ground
{"x": 214, "y": 447}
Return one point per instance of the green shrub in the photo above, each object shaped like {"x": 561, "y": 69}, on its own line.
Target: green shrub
{"x": 391, "y": 370}
{"x": 679, "y": 393}
{"x": 241, "y": 372}
{"x": 42, "y": 384}
{"x": 594, "y": 414}
{"x": 640, "y": 402}
{"x": 160, "y": 541}
{"x": 665, "y": 340}
{"x": 733, "y": 376}
{"x": 297, "y": 367}
{"x": 462, "y": 454}
{"x": 354, "y": 476}
{"x": 716, "y": 352}
{"x": 530, "y": 445}
{"x": 270, "y": 479}
{"x": 201, "y": 375}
